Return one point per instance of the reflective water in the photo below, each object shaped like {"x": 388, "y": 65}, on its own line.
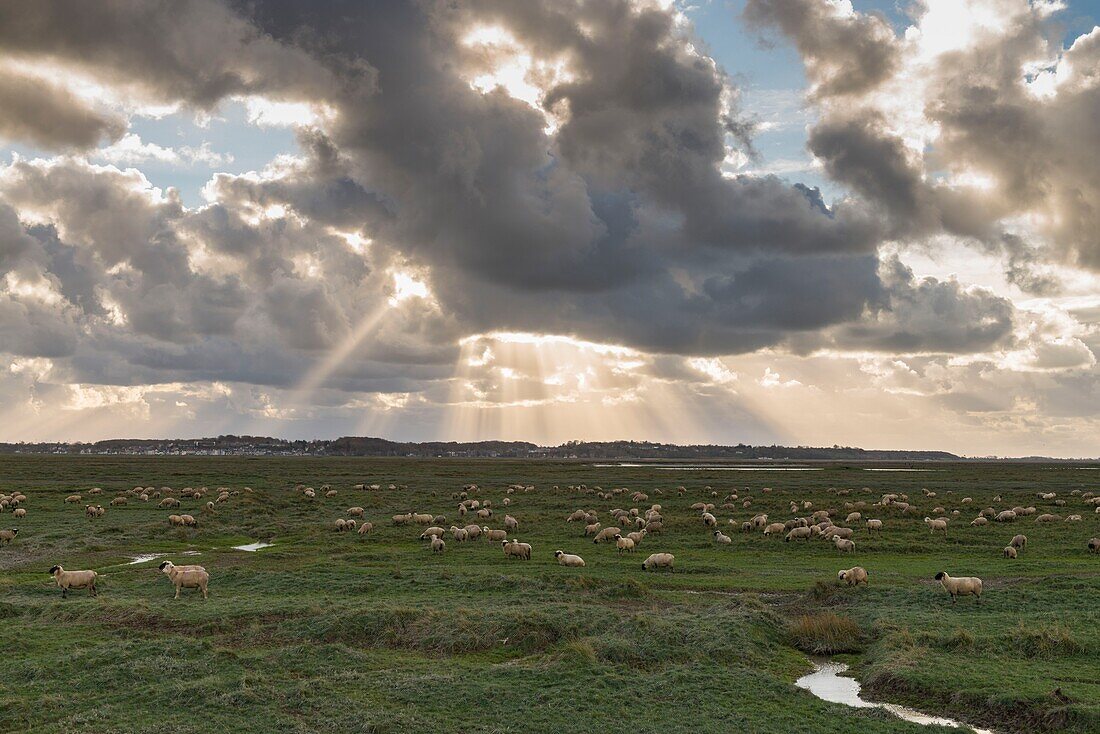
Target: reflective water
{"x": 252, "y": 547}
{"x": 827, "y": 683}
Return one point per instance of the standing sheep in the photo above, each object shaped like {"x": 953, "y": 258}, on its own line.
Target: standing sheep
{"x": 844, "y": 545}
{"x": 853, "y": 576}
{"x": 185, "y": 577}
{"x": 1009, "y": 552}
{"x": 624, "y": 544}
{"x": 934, "y": 525}
{"x": 438, "y": 546}
{"x": 659, "y": 560}
{"x": 1094, "y": 545}
{"x": 1019, "y": 541}
{"x": 961, "y": 586}
{"x": 74, "y": 580}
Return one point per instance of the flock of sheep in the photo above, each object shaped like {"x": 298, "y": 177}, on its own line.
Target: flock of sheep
{"x": 627, "y": 528}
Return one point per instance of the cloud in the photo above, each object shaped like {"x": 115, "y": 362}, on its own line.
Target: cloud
{"x": 46, "y": 115}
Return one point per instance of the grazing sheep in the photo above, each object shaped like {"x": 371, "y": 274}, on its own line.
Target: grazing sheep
{"x": 473, "y": 532}
{"x": 798, "y": 534}
{"x": 1093, "y": 545}
{"x": 438, "y": 545}
{"x": 576, "y": 516}
{"x": 20, "y": 512}
{"x": 511, "y": 523}
{"x": 422, "y": 518}
{"x": 624, "y": 544}
{"x": 515, "y": 549}
{"x": 7, "y": 536}
{"x": 365, "y": 528}
{"x": 356, "y": 511}
{"x": 568, "y": 559}
{"x": 934, "y": 525}
{"x": 1018, "y": 541}
{"x": 72, "y": 498}
{"x": 962, "y": 586}
{"x": 186, "y": 577}
{"x": 189, "y": 521}
{"x": 493, "y": 536}
{"x": 654, "y": 526}
{"x": 874, "y": 525}
{"x": 208, "y": 508}
{"x": 844, "y": 545}
{"x": 484, "y": 513}
{"x": 853, "y": 576}
{"x": 853, "y": 517}
{"x": 402, "y": 519}
{"x": 168, "y": 502}
{"x": 1006, "y": 516}
{"x": 175, "y": 520}
{"x": 605, "y": 534}
{"x": 341, "y": 525}
{"x": 74, "y": 580}
{"x": 1069, "y": 518}
{"x": 721, "y": 538}
{"x": 330, "y": 493}
{"x": 775, "y": 527}
{"x": 659, "y": 560}
{"x": 591, "y": 529}
{"x": 1009, "y": 552}
{"x": 979, "y": 521}
{"x": 1047, "y": 517}
{"x": 429, "y": 532}
{"x": 636, "y": 536}
{"x": 709, "y": 520}
{"x": 459, "y": 534}
{"x": 833, "y": 532}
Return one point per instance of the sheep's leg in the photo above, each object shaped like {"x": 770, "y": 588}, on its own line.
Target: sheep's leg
{"x": 64, "y": 592}
{"x": 94, "y": 592}
{"x": 177, "y": 591}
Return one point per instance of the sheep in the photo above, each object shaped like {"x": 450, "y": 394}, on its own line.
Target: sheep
{"x": 1018, "y": 541}
{"x": 515, "y": 549}
{"x": 721, "y": 538}
{"x": 484, "y": 513}
{"x": 873, "y": 525}
{"x": 654, "y": 526}
{"x": 356, "y": 511}
{"x": 330, "y": 493}
{"x": 853, "y": 576}
{"x": 568, "y": 559}
{"x": 1069, "y": 518}
{"x": 623, "y": 544}
{"x": 473, "y": 532}
{"x": 576, "y": 516}
{"x": 189, "y": 521}
{"x": 168, "y": 502}
{"x": 94, "y": 511}
{"x": 73, "y": 498}
{"x": 935, "y": 525}
{"x": 208, "y": 508}
{"x": 833, "y": 532}
{"x": 186, "y": 577}
{"x": 341, "y": 525}
{"x": 74, "y": 580}
{"x": 659, "y": 560}
{"x": 709, "y": 520}
{"x": 365, "y": 528}
{"x": 1006, "y": 516}
{"x": 175, "y": 520}
{"x": 591, "y": 529}
{"x": 429, "y": 532}
{"x": 1009, "y": 552}
{"x": 843, "y": 545}
{"x": 798, "y": 534}
{"x": 422, "y": 518}
{"x": 402, "y": 519}
{"x": 1047, "y": 517}
{"x": 511, "y": 523}
{"x": 1094, "y": 545}
{"x": 605, "y": 534}
{"x": 459, "y": 534}
{"x": 494, "y": 535}
{"x": 19, "y": 512}
{"x": 637, "y": 536}
{"x": 961, "y": 586}
{"x": 759, "y": 521}
{"x": 979, "y": 521}
{"x": 853, "y": 517}
{"x": 438, "y": 546}
{"x": 7, "y": 536}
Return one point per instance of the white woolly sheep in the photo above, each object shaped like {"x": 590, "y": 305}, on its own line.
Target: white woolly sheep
{"x": 437, "y": 544}
{"x": 853, "y": 517}
{"x": 844, "y": 545}
{"x": 429, "y": 532}
{"x": 773, "y": 528}
{"x": 493, "y": 536}
{"x": 979, "y": 521}
{"x": 1094, "y": 545}
{"x": 873, "y": 525}
{"x": 1006, "y": 516}
{"x": 1009, "y": 552}
{"x": 515, "y": 549}
{"x": 637, "y": 536}
{"x": 356, "y": 511}
{"x": 19, "y": 512}
{"x": 605, "y": 534}
{"x": 659, "y": 560}
{"x": 721, "y": 538}
{"x": 592, "y": 529}
{"x": 961, "y": 586}
{"x": 709, "y": 520}
{"x": 7, "y": 536}
{"x": 568, "y": 559}
{"x": 511, "y": 523}
{"x": 365, "y": 528}
{"x": 624, "y": 544}
{"x": 800, "y": 533}
{"x": 934, "y": 525}
{"x": 186, "y": 578}
{"x": 473, "y": 532}
{"x": 74, "y": 580}
{"x": 1018, "y": 541}
{"x": 853, "y": 576}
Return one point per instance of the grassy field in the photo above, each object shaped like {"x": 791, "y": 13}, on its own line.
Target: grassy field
{"x": 339, "y": 632}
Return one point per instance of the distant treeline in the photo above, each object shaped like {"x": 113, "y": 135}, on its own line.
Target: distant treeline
{"x": 367, "y": 446}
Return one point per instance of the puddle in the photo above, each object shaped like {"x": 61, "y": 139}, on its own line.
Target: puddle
{"x": 252, "y": 547}
{"x": 144, "y": 557}
{"x": 827, "y": 683}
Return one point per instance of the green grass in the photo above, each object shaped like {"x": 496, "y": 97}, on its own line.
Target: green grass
{"x": 338, "y": 632}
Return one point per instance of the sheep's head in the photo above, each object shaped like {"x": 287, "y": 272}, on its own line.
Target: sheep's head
{"x": 940, "y": 576}
{"x": 53, "y": 570}
{"x": 558, "y": 554}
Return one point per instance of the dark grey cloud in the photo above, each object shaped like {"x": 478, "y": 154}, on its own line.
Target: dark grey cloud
{"x": 45, "y": 115}
{"x": 844, "y": 54}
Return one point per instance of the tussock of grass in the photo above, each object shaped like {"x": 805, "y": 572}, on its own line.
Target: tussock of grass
{"x": 825, "y": 634}
{"x": 1045, "y": 640}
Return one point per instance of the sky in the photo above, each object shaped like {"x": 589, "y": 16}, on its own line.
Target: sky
{"x": 804, "y": 222}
